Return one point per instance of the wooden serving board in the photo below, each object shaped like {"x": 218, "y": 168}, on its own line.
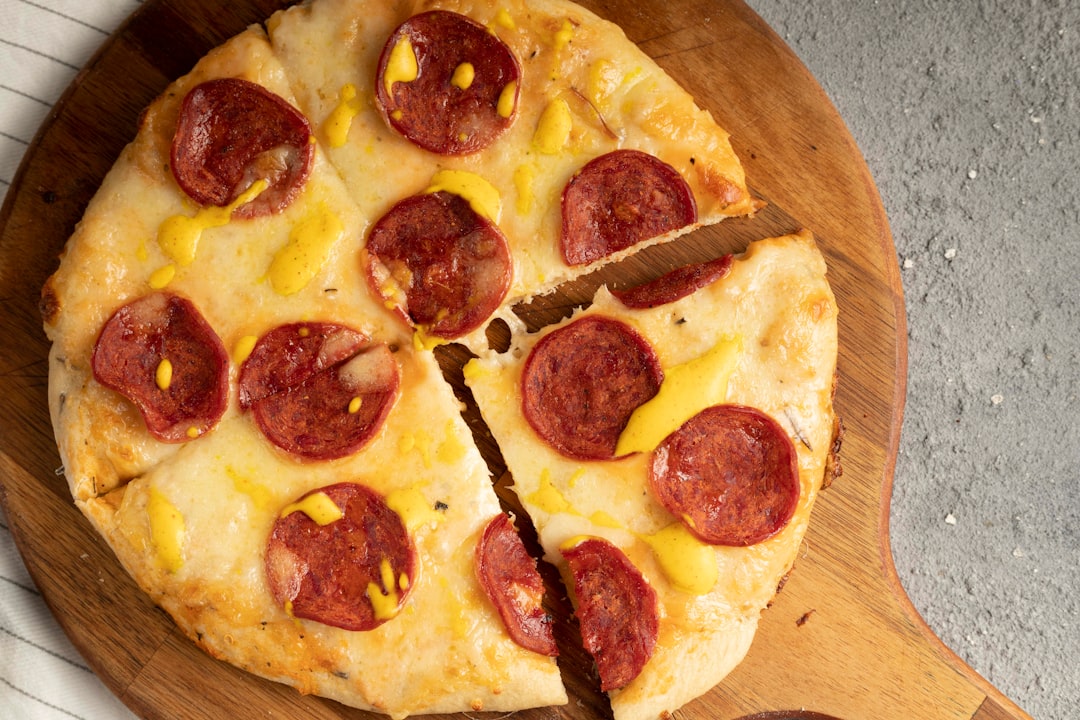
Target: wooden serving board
{"x": 841, "y": 640}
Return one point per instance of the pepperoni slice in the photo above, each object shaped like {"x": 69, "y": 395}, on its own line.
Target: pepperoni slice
{"x": 581, "y": 383}
{"x": 232, "y": 132}
{"x": 446, "y": 267}
{"x": 730, "y": 472}
{"x": 674, "y": 285}
{"x": 616, "y": 608}
{"x": 354, "y": 572}
{"x": 290, "y": 354}
{"x": 509, "y": 577}
{"x": 618, "y": 200}
{"x": 317, "y": 390}
{"x": 462, "y": 70}
{"x": 182, "y": 398}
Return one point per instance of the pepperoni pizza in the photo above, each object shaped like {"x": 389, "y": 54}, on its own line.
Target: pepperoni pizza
{"x": 248, "y": 407}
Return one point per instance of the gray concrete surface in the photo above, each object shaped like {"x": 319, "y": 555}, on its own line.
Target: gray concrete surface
{"x": 968, "y": 114}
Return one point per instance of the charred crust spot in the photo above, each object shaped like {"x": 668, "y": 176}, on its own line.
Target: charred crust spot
{"x": 718, "y": 185}
{"x": 779, "y": 586}
{"x": 49, "y": 303}
{"x": 833, "y": 469}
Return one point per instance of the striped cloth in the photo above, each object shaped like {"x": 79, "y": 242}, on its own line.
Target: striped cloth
{"x": 43, "y": 43}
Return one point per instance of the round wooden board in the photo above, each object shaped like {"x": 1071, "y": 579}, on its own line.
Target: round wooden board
{"x": 841, "y": 639}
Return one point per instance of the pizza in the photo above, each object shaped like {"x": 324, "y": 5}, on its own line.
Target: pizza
{"x": 250, "y": 405}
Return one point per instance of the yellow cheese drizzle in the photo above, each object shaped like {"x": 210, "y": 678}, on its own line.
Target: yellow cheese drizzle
{"x": 384, "y": 600}
{"x": 504, "y": 19}
{"x": 463, "y": 76}
{"x": 179, "y": 235}
{"x": 504, "y": 106}
{"x": 339, "y": 121}
{"x": 310, "y": 241}
{"x": 481, "y": 195}
{"x": 163, "y": 374}
{"x": 167, "y": 531}
{"x": 422, "y": 340}
{"x": 413, "y": 507}
{"x": 260, "y": 495}
{"x": 687, "y": 390}
{"x": 243, "y": 347}
{"x": 689, "y": 563}
{"x": 162, "y": 277}
{"x": 524, "y": 176}
{"x": 318, "y": 506}
{"x": 563, "y": 36}
{"x": 553, "y": 129}
{"x": 401, "y": 66}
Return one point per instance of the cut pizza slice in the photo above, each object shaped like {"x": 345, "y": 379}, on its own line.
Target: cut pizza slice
{"x": 668, "y": 443}
{"x": 388, "y": 578}
{"x": 539, "y": 139}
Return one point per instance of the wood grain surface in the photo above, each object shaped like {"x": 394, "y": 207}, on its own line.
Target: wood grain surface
{"x": 840, "y": 641}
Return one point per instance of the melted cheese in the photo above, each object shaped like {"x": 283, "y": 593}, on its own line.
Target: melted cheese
{"x": 689, "y": 564}
{"x": 563, "y": 37}
{"x": 418, "y": 441}
{"x": 547, "y": 497}
{"x": 259, "y": 494}
{"x": 421, "y": 339}
{"x": 167, "y": 531}
{"x": 687, "y": 389}
{"x": 452, "y": 449}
